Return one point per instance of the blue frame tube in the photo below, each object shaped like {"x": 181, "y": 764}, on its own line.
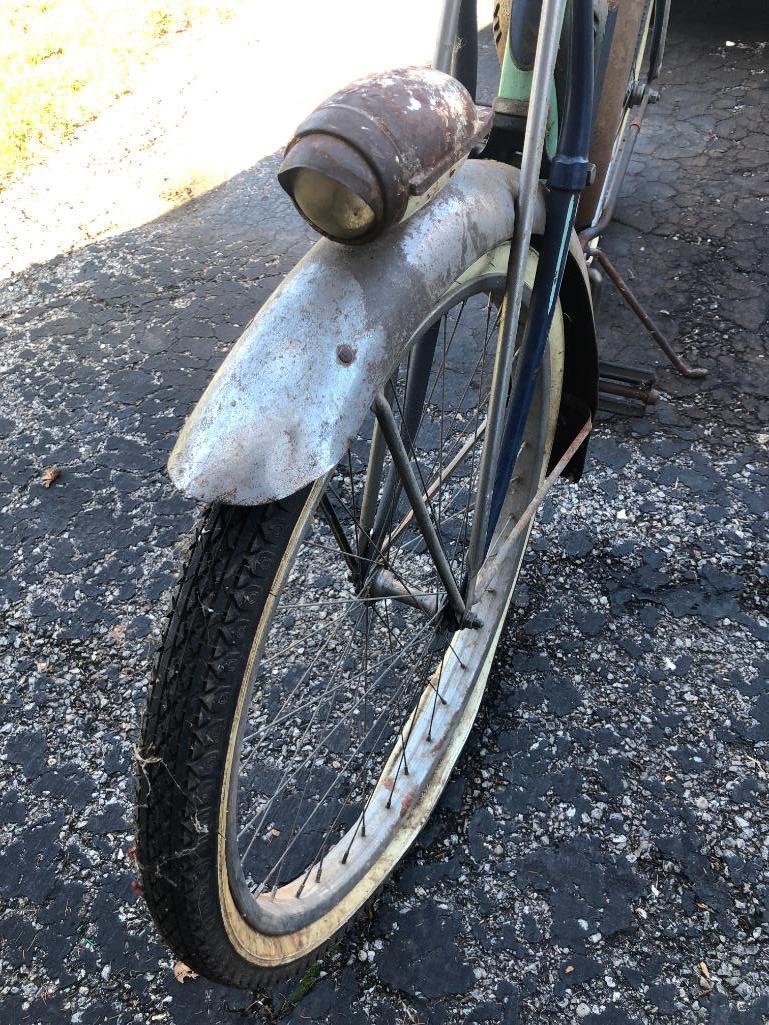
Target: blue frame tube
{"x": 569, "y": 173}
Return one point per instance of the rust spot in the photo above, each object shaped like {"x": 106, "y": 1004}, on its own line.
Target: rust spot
{"x": 389, "y": 783}
{"x": 407, "y": 802}
{"x": 345, "y": 354}
{"x": 439, "y": 743}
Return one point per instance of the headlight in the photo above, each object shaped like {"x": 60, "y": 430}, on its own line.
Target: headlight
{"x": 334, "y": 208}
{"x": 332, "y": 187}
{"x": 377, "y": 151}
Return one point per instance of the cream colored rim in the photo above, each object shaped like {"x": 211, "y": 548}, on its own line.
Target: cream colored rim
{"x": 451, "y": 723}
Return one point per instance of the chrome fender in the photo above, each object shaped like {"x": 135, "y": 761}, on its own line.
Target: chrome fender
{"x": 292, "y": 393}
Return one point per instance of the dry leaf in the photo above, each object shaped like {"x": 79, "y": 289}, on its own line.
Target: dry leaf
{"x": 273, "y": 834}
{"x": 49, "y": 475}
{"x": 182, "y": 972}
{"x": 704, "y": 969}
{"x": 569, "y": 969}
{"x": 116, "y": 634}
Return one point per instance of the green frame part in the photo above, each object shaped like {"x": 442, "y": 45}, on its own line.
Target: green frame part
{"x": 515, "y": 84}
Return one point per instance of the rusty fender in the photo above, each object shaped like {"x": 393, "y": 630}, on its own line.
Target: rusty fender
{"x": 293, "y": 392}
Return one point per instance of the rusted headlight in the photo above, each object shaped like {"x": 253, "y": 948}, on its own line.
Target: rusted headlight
{"x": 332, "y": 186}
{"x": 335, "y": 208}
{"x": 378, "y": 150}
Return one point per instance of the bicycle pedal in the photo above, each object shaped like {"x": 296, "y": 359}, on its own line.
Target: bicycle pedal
{"x": 624, "y": 390}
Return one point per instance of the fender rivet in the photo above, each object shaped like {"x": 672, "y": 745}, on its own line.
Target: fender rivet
{"x": 345, "y": 354}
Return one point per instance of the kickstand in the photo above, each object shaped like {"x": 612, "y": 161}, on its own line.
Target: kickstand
{"x": 621, "y": 285}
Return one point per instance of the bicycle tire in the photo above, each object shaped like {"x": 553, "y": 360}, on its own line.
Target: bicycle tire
{"x": 193, "y": 733}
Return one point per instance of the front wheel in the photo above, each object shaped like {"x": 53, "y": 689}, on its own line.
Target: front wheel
{"x": 314, "y": 690}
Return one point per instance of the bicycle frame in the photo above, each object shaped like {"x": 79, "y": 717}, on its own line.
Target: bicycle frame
{"x": 533, "y": 91}
{"x": 540, "y": 88}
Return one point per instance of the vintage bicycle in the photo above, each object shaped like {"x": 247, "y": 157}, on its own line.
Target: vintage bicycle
{"x": 371, "y": 455}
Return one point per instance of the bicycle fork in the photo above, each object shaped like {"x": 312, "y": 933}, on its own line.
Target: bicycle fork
{"x": 569, "y": 173}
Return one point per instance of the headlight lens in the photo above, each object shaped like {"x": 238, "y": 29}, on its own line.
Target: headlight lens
{"x": 333, "y": 187}
{"x": 334, "y": 209}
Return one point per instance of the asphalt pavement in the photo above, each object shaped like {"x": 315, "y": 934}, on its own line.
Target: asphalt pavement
{"x": 601, "y": 852}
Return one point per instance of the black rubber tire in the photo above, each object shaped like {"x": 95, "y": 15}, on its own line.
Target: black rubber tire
{"x": 191, "y": 704}
{"x": 191, "y": 720}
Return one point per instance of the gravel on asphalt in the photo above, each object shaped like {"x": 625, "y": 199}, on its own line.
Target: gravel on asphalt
{"x": 600, "y": 854}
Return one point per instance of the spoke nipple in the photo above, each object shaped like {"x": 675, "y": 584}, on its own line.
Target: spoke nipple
{"x": 344, "y": 857}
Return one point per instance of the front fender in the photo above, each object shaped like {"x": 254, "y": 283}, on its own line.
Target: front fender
{"x": 294, "y": 390}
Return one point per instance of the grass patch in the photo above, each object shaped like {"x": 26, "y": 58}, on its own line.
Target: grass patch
{"x": 65, "y": 61}
{"x": 303, "y": 987}
{"x": 308, "y": 980}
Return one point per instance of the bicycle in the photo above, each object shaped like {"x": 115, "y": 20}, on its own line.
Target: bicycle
{"x": 372, "y": 453}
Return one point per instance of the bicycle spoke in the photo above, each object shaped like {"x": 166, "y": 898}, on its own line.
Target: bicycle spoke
{"x": 287, "y": 779}
{"x": 329, "y": 789}
{"x": 362, "y": 647}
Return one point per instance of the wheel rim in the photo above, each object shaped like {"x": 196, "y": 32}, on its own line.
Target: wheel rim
{"x": 294, "y": 850}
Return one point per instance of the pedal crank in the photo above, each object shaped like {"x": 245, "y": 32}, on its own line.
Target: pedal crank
{"x": 625, "y": 390}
